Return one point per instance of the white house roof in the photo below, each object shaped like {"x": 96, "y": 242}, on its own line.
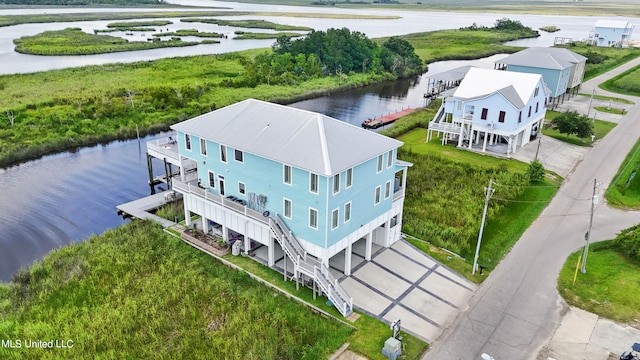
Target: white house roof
{"x": 544, "y": 57}
{"x": 514, "y": 86}
{"x": 299, "y": 138}
{"x": 612, "y": 24}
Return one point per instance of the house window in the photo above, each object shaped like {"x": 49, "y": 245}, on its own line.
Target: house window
{"x": 376, "y": 197}
{"x": 349, "y": 178}
{"x": 380, "y": 159}
{"x": 484, "y": 114}
{"x": 393, "y": 222}
{"x": 287, "y": 208}
{"x": 187, "y": 141}
{"x": 223, "y": 153}
{"x": 537, "y": 104}
{"x": 501, "y": 116}
{"x": 520, "y": 117}
{"x": 313, "y": 218}
{"x": 335, "y": 216}
{"x": 536, "y": 92}
{"x": 203, "y": 147}
{"x": 529, "y": 110}
{"x": 212, "y": 179}
{"x": 239, "y": 155}
{"x": 389, "y": 158}
{"x": 347, "y": 211}
{"x": 313, "y": 183}
{"x": 242, "y": 188}
{"x": 387, "y": 189}
{"x": 336, "y": 183}
{"x": 287, "y": 174}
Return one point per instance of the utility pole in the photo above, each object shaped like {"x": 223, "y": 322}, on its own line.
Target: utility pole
{"x": 587, "y": 235}
{"x": 590, "y": 102}
{"x": 488, "y": 191}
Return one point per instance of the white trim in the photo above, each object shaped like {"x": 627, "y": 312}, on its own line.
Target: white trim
{"x": 379, "y": 163}
{"x": 284, "y": 208}
{"x": 235, "y": 157}
{"x": 334, "y": 181}
{"x": 311, "y": 175}
{"x": 389, "y": 158}
{"x": 212, "y": 175}
{"x": 346, "y": 178}
{"x": 187, "y": 142}
{"x": 347, "y": 212}
{"x": 377, "y": 193}
{"x": 244, "y": 186}
{"x": 284, "y": 174}
{"x": 309, "y": 218}
{"x": 335, "y": 211}
{"x": 223, "y": 150}
{"x": 203, "y": 146}
{"x": 387, "y": 189}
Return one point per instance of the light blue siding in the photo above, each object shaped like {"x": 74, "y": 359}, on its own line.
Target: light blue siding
{"x": 266, "y": 177}
{"x": 556, "y": 80}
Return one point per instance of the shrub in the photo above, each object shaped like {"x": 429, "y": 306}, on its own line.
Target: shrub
{"x": 628, "y": 241}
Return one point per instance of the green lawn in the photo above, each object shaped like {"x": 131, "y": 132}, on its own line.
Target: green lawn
{"x": 602, "y": 59}
{"x": 610, "y": 286}
{"x": 626, "y": 83}
{"x": 600, "y": 130}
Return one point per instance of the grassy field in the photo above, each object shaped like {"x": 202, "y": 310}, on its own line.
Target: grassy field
{"x": 603, "y": 59}
{"x": 244, "y": 35}
{"x": 624, "y": 191}
{"x": 190, "y": 32}
{"x": 251, "y": 24}
{"x": 626, "y": 83}
{"x": 136, "y": 292}
{"x": 445, "y": 180}
{"x": 74, "y": 41}
{"x": 610, "y": 286}
{"x": 587, "y": 7}
{"x": 8, "y": 20}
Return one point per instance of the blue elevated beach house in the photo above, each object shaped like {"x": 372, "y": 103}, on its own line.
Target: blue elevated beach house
{"x": 612, "y": 33}
{"x": 561, "y": 69}
{"x": 492, "y": 110}
{"x": 292, "y": 183}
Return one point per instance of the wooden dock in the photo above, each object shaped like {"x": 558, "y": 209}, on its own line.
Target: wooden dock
{"x": 139, "y": 209}
{"x": 385, "y": 120}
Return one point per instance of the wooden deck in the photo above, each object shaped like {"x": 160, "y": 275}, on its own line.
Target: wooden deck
{"x": 140, "y": 208}
{"x": 385, "y": 120}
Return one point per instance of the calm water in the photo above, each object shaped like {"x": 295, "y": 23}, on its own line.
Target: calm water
{"x": 68, "y": 197}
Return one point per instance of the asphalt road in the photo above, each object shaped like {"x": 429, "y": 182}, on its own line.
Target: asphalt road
{"x": 514, "y": 312}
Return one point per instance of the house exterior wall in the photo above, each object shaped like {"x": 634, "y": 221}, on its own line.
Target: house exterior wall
{"x": 609, "y": 36}
{"x": 556, "y": 80}
{"x": 266, "y": 177}
{"x": 576, "y": 75}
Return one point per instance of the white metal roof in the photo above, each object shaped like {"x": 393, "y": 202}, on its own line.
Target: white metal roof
{"x": 613, "y": 24}
{"x": 300, "y": 138}
{"x": 544, "y": 58}
{"x": 514, "y": 86}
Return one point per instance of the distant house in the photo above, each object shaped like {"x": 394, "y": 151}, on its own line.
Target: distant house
{"x": 294, "y": 182}
{"x": 612, "y": 33}
{"x": 493, "y": 110}
{"x": 561, "y": 69}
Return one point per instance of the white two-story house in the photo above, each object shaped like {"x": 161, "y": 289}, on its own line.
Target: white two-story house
{"x": 493, "y": 107}
{"x": 275, "y": 176}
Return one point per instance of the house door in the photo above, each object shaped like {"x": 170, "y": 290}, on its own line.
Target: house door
{"x": 221, "y": 183}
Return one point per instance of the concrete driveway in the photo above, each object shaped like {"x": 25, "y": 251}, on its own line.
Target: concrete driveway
{"x": 404, "y": 283}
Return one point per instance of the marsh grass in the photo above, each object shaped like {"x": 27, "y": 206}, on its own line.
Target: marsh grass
{"x": 244, "y": 35}
{"x": 74, "y": 41}
{"x": 137, "y": 292}
{"x": 252, "y": 24}
{"x": 626, "y": 83}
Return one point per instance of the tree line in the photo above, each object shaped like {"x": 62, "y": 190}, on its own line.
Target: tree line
{"x": 79, "y": 2}
{"x": 338, "y": 52}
